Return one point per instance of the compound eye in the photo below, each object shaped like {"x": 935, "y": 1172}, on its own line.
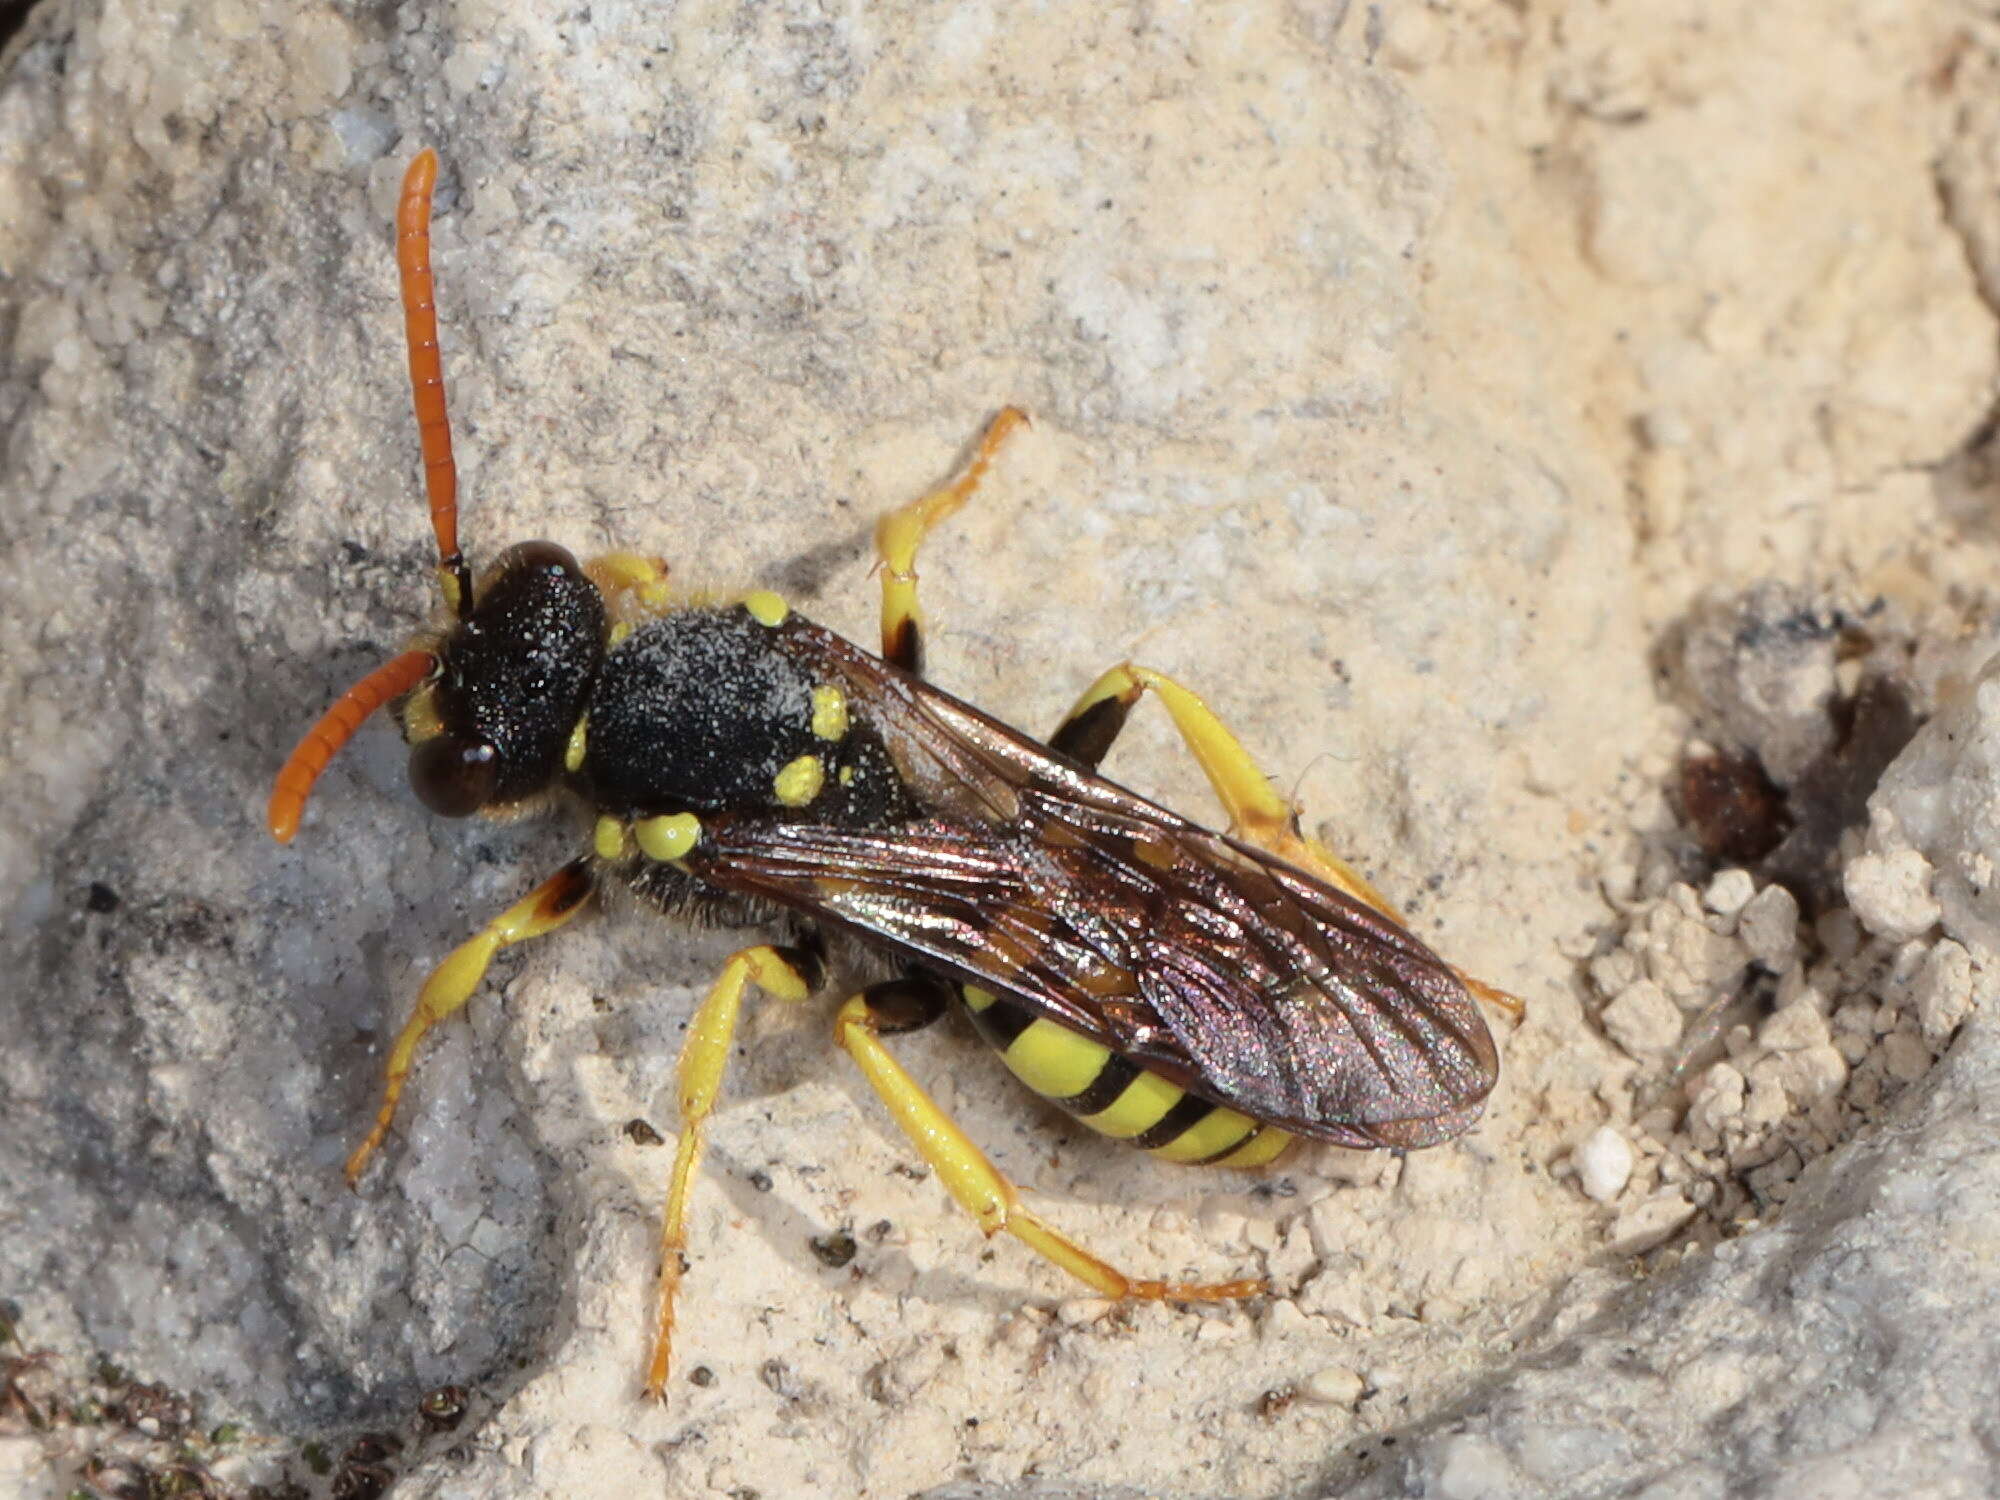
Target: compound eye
{"x": 454, "y": 778}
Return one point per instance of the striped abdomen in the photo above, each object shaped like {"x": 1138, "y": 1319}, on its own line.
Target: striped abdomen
{"x": 1114, "y": 1095}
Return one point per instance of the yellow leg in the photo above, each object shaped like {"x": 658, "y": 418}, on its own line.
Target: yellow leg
{"x": 1257, "y": 814}
{"x": 980, "y": 1189}
{"x": 789, "y": 974}
{"x": 452, "y": 982}
{"x": 898, "y": 534}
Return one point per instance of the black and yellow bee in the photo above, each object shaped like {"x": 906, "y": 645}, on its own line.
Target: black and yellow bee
{"x": 1207, "y": 997}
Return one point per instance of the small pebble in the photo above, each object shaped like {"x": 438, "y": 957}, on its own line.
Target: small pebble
{"x": 1647, "y": 1225}
{"x": 1729, "y": 892}
{"x": 1813, "y": 1073}
{"x": 1906, "y": 1056}
{"x": 1643, "y": 1021}
{"x": 1794, "y": 1027}
{"x": 1603, "y": 1164}
{"x": 1943, "y": 990}
{"x": 1891, "y": 894}
{"x": 1333, "y": 1386}
{"x": 1769, "y": 927}
{"x": 1838, "y": 933}
{"x": 1078, "y": 1311}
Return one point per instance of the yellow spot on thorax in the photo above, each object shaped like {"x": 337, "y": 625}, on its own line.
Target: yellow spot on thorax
{"x": 579, "y": 738}
{"x": 829, "y": 720}
{"x": 644, "y": 578}
{"x": 847, "y": 776}
{"x": 799, "y": 782}
{"x": 609, "y": 838}
{"x": 668, "y": 837}
{"x": 766, "y": 608}
{"x": 620, "y": 631}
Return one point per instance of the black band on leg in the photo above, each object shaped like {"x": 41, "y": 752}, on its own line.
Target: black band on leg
{"x": 906, "y": 1004}
{"x": 805, "y": 958}
{"x": 1087, "y": 738}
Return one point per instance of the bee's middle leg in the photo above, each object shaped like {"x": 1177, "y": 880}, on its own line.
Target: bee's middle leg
{"x": 898, "y": 534}
{"x": 1257, "y": 814}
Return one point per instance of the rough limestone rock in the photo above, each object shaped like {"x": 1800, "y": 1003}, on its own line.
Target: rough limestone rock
{"x": 1400, "y": 375}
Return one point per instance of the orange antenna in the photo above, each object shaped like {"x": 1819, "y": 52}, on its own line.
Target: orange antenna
{"x": 336, "y": 727}
{"x": 413, "y": 259}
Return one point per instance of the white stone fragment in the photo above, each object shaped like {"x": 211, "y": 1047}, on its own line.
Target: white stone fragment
{"x": 1717, "y": 1100}
{"x": 1649, "y": 1224}
{"x": 1603, "y": 1164}
{"x": 1943, "y": 991}
{"x": 1471, "y": 1466}
{"x": 1812, "y": 1073}
{"x": 1855, "y": 1018}
{"x": 1793, "y": 1028}
{"x": 1768, "y": 926}
{"x": 1333, "y": 1386}
{"x": 1905, "y": 1055}
{"x": 1767, "y": 1102}
{"x": 1729, "y": 892}
{"x": 1891, "y": 894}
{"x": 1643, "y": 1021}
{"x": 1078, "y": 1312}
{"x": 1612, "y": 972}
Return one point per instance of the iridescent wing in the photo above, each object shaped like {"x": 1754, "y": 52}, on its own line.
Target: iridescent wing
{"x": 1235, "y": 975}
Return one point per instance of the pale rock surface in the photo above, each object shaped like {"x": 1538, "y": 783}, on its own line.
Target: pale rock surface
{"x": 1401, "y": 375}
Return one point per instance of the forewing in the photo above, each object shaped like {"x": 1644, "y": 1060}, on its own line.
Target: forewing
{"x": 1232, "y": 973}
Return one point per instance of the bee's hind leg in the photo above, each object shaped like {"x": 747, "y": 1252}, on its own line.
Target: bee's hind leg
{"x": 898, "y": 534}
{"x": 1257, "y": 814}
{"x": 905, "y": 1004}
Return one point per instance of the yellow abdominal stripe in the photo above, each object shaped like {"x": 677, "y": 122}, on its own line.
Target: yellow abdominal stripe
{"x": 1057, "y": 1062}
{"x": 1060, "y": 1064}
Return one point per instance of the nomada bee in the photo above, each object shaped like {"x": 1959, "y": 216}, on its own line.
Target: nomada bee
{"x": 1207, "y": 997}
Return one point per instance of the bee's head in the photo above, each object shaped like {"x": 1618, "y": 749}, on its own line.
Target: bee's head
{"x": 490, "y": 724}
{"x": 488, "y": 705}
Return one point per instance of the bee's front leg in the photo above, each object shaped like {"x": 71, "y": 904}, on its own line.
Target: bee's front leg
{"x": 452, "y": 982}
{"x": 789, "y": 973}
